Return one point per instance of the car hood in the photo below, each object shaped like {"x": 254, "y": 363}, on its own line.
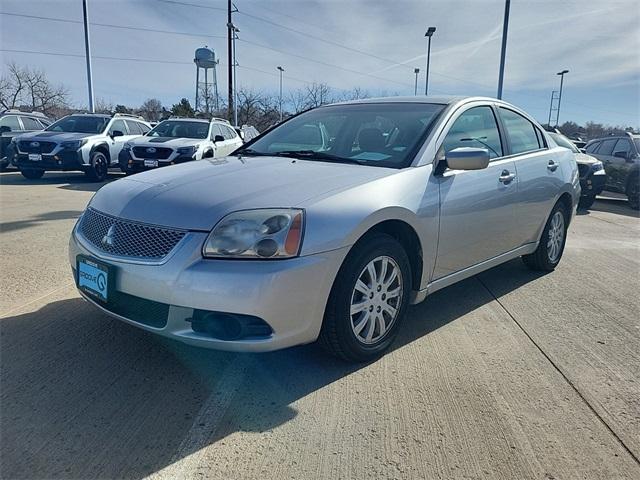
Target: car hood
{"x": 196, "y": 195}
{"x": 586, "y": 159}
{"x": 165, "y": 142}
{"x": 54, "y": 136}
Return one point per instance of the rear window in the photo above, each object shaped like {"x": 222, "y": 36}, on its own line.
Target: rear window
{"x": 31, "y": 123}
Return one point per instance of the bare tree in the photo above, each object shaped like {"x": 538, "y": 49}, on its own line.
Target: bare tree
{"x": 103, "y": 106}
{"x": 30, "y": 88}
{"x": 151, "y": 109}
{"x": 318, "y": 94}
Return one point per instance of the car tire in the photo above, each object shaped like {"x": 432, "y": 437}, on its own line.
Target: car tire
{"x": 552, "y": 241}
{"x": 364, "y": 314}
{"x": 586, "y": 202}
{"x": 98, "y": 170}
{"x": 32, "y": 173}
{"x": 633, "y": 191}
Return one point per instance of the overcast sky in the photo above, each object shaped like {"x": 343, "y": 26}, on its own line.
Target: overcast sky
{"x": 372, "y": 44}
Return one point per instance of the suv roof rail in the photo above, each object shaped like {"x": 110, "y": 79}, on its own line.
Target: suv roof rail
{"x": 218, "y": 119}
{"x": 18, "y": 111}
{"x": 129, "y": 115}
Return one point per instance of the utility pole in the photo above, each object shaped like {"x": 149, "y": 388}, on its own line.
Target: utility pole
{"x": 560, "y": 94}
{"x": 230, "y": 34}
{"x": 87, "y": 48}
{"x": 235, "y": 77}
{"x": 416, "y": 71}
{"x": 429, "y": 34}
{"x": 281, "y": 71}
{"x": 503, "y": 50}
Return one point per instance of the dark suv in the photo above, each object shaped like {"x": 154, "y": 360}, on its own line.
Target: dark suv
{"x": 13, "y": 123}
{"x": 620, "y": 155}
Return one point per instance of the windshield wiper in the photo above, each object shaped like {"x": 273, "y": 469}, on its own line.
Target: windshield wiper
{"x": 251, "y": 153}
{"x": 313, "y": 155}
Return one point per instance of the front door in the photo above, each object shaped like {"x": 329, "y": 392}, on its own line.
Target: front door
{"x": 477, "y": 207}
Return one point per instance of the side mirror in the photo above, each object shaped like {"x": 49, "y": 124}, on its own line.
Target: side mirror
{"x": 623, "y": 155}
{"x": 117, "y": 133}
{"x": 218, "y": 138}
{"x": 467, "y": 158}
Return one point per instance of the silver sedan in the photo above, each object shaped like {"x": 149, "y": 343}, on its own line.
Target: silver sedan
{"x": 329, "y": 226}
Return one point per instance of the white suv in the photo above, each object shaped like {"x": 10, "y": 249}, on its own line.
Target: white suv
{"x": 87, "y": 142}
{"x": 179, "y": 140}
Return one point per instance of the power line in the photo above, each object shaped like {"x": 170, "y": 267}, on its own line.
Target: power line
{"x": 109, "y": 25}
{"x": 208, "y": 7}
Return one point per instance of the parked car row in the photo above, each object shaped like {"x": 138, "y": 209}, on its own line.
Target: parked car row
{"x": 94, "y": 143}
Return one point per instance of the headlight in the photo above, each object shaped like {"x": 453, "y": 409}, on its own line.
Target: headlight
{"x": 127, "y": 146}
{"x": 73, "y": 144}
{"x": 187, "y": 150}
{"x": 264, "y": 233}
{"x": 596, "y": 166}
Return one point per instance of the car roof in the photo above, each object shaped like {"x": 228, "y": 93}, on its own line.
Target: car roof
{"x": 437, "y": 99}
{"x": 182, "y": 119}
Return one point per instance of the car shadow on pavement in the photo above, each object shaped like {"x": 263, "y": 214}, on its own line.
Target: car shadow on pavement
{"x": 86, "y": 396}
{"x": 65, "y": 180}
{"x": 615, "y": 206}
{"x": 44, "y": 217}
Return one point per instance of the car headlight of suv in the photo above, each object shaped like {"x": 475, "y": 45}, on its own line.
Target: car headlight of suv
{"x": 187, "y": 150}
{"x": 73, "y": 144}
{"x": 262, "y": 233}
{"x": 597, "y": 166}
{"x": 127, "y": 146}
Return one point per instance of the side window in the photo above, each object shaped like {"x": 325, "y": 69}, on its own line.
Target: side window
{"x": 215, "y": 130}
{"x": 477, "y": 127}
{"x": 623, "y": 146}
{"x": 10, "y": 123}
{"x": 606, "y": 147}
{"x": 143, "y": 128}
{"x": 228, "y": 133}
{"x": 591, "y": 148}
{"x": 45, "y": 123}
{"x": 133, "y": 127}
{"x": 523, "y": 136}
{"x": 118, "y": 125}
{"x": 30, "y": 123}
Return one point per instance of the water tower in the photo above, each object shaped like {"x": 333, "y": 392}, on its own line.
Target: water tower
{"x": 205, "y": 59}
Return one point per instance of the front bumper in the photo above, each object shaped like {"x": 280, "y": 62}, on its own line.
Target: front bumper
{"x": 593, "y": 183}
{"x": 289, "y": 295}
{"x": 63, "y": 160}
{"x": 135, "y": 165}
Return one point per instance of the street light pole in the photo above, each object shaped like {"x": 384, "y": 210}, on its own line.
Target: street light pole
{"x": 281, "y": 70}
{"x": 87, "y": 47}
{"x": 560, "y": 94}
{"x": 416, "y": 71}
{"x": 503, "y": 50}
{"x": 429, "y": 34}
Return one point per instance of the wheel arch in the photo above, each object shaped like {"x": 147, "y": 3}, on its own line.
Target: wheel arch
{"x": 102, "y": 148}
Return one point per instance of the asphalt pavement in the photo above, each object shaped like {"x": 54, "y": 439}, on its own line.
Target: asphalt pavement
{"x": 507, "y": 375}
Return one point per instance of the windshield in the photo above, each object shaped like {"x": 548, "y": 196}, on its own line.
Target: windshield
{"x": 79, "y": 124}
{"x": 381, "y": 134}
{"x": 563, "y": 141}
{"x": 180, "y": 129}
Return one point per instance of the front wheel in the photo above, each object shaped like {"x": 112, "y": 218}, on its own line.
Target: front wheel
{"x": 549, "y": 252}
{"x": 32, "y": 173}
{"x": 586, "y": 202}
{"x": 368, "y": 300}
{"x": 99, "y": 167}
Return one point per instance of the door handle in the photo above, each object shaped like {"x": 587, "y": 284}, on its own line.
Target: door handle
{"x": 553, "y": 166}
{"x": 506, "y": 177}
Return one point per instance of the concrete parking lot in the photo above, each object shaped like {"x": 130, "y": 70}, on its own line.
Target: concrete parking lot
{"x": 507, "y": 375}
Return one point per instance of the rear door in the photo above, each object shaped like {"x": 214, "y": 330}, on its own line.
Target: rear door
{"x": 621, "y": 162}
{"x": 539, "y": 174}
{"x": 477, "y": 207}
{"x": 604, "y": 153}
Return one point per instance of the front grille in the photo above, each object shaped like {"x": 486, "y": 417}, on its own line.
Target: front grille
{"x": 156, "y": 153}
{"x": 583, "y": 169}
{"x": 126, "y": 238}
{"x": 35, "y": 146}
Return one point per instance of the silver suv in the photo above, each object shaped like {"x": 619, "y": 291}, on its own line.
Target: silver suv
{"x": 298, "y": 236}
{"x": 179, "y": 140}
{"x": 87, "y": 142}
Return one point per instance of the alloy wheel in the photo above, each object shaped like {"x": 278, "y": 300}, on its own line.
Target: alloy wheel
{"x": 376, "y": 299}
{"x": 556, "y": 237}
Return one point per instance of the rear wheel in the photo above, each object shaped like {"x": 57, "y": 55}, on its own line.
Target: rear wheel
{"x": 633, "y": 191}
{"x": 99, "y": 167}
{"x": 32, "y": 173}
{"x": 551, "y": 246}
{"x": 368, "y": 300}
{"x": 586, "y": 202}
